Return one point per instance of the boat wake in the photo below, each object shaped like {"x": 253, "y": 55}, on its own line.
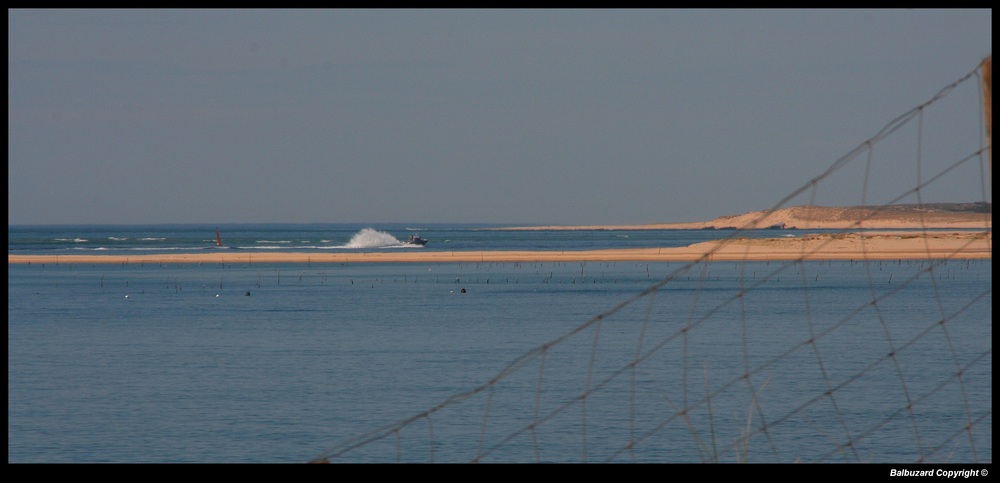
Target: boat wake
{"x": 372, "y": 238}
{"x": 367, "y": 238}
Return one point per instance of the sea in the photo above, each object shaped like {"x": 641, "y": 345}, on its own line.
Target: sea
{"x": 852, "y": 361}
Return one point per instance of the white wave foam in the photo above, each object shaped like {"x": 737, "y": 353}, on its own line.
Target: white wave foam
{"x": 372, "y": 238}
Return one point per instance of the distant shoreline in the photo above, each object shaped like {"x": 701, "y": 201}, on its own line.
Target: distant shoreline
{"x": 959, "y": 231}
{"x": 952, "y": 216}
{"x": 841, "y": 246}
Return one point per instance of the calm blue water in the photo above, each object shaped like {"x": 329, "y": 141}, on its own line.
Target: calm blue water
{"x": 285, "y": 362}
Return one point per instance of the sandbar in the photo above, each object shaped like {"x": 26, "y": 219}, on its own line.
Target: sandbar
{"x": 840, "y": 246}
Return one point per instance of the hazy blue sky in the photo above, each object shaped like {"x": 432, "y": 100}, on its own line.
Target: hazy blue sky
{"x": 493, "y": 116}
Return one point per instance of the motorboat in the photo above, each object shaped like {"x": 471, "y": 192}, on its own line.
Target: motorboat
{"x": 416, "y": 240}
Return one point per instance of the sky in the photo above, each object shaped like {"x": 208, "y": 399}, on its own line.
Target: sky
{"x": 570, "y": 117}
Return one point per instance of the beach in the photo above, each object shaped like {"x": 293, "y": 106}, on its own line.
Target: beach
{"x": 896, "y": 245}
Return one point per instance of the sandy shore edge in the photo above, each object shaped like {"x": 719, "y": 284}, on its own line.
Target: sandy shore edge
{"x": 846, "y": 246}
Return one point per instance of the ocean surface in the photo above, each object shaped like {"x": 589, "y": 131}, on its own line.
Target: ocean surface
{"x": 849, "y": 361}
{"x": 320, "y": 238}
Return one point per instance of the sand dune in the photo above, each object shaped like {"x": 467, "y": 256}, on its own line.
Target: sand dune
{"x": 958, "y": 216}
